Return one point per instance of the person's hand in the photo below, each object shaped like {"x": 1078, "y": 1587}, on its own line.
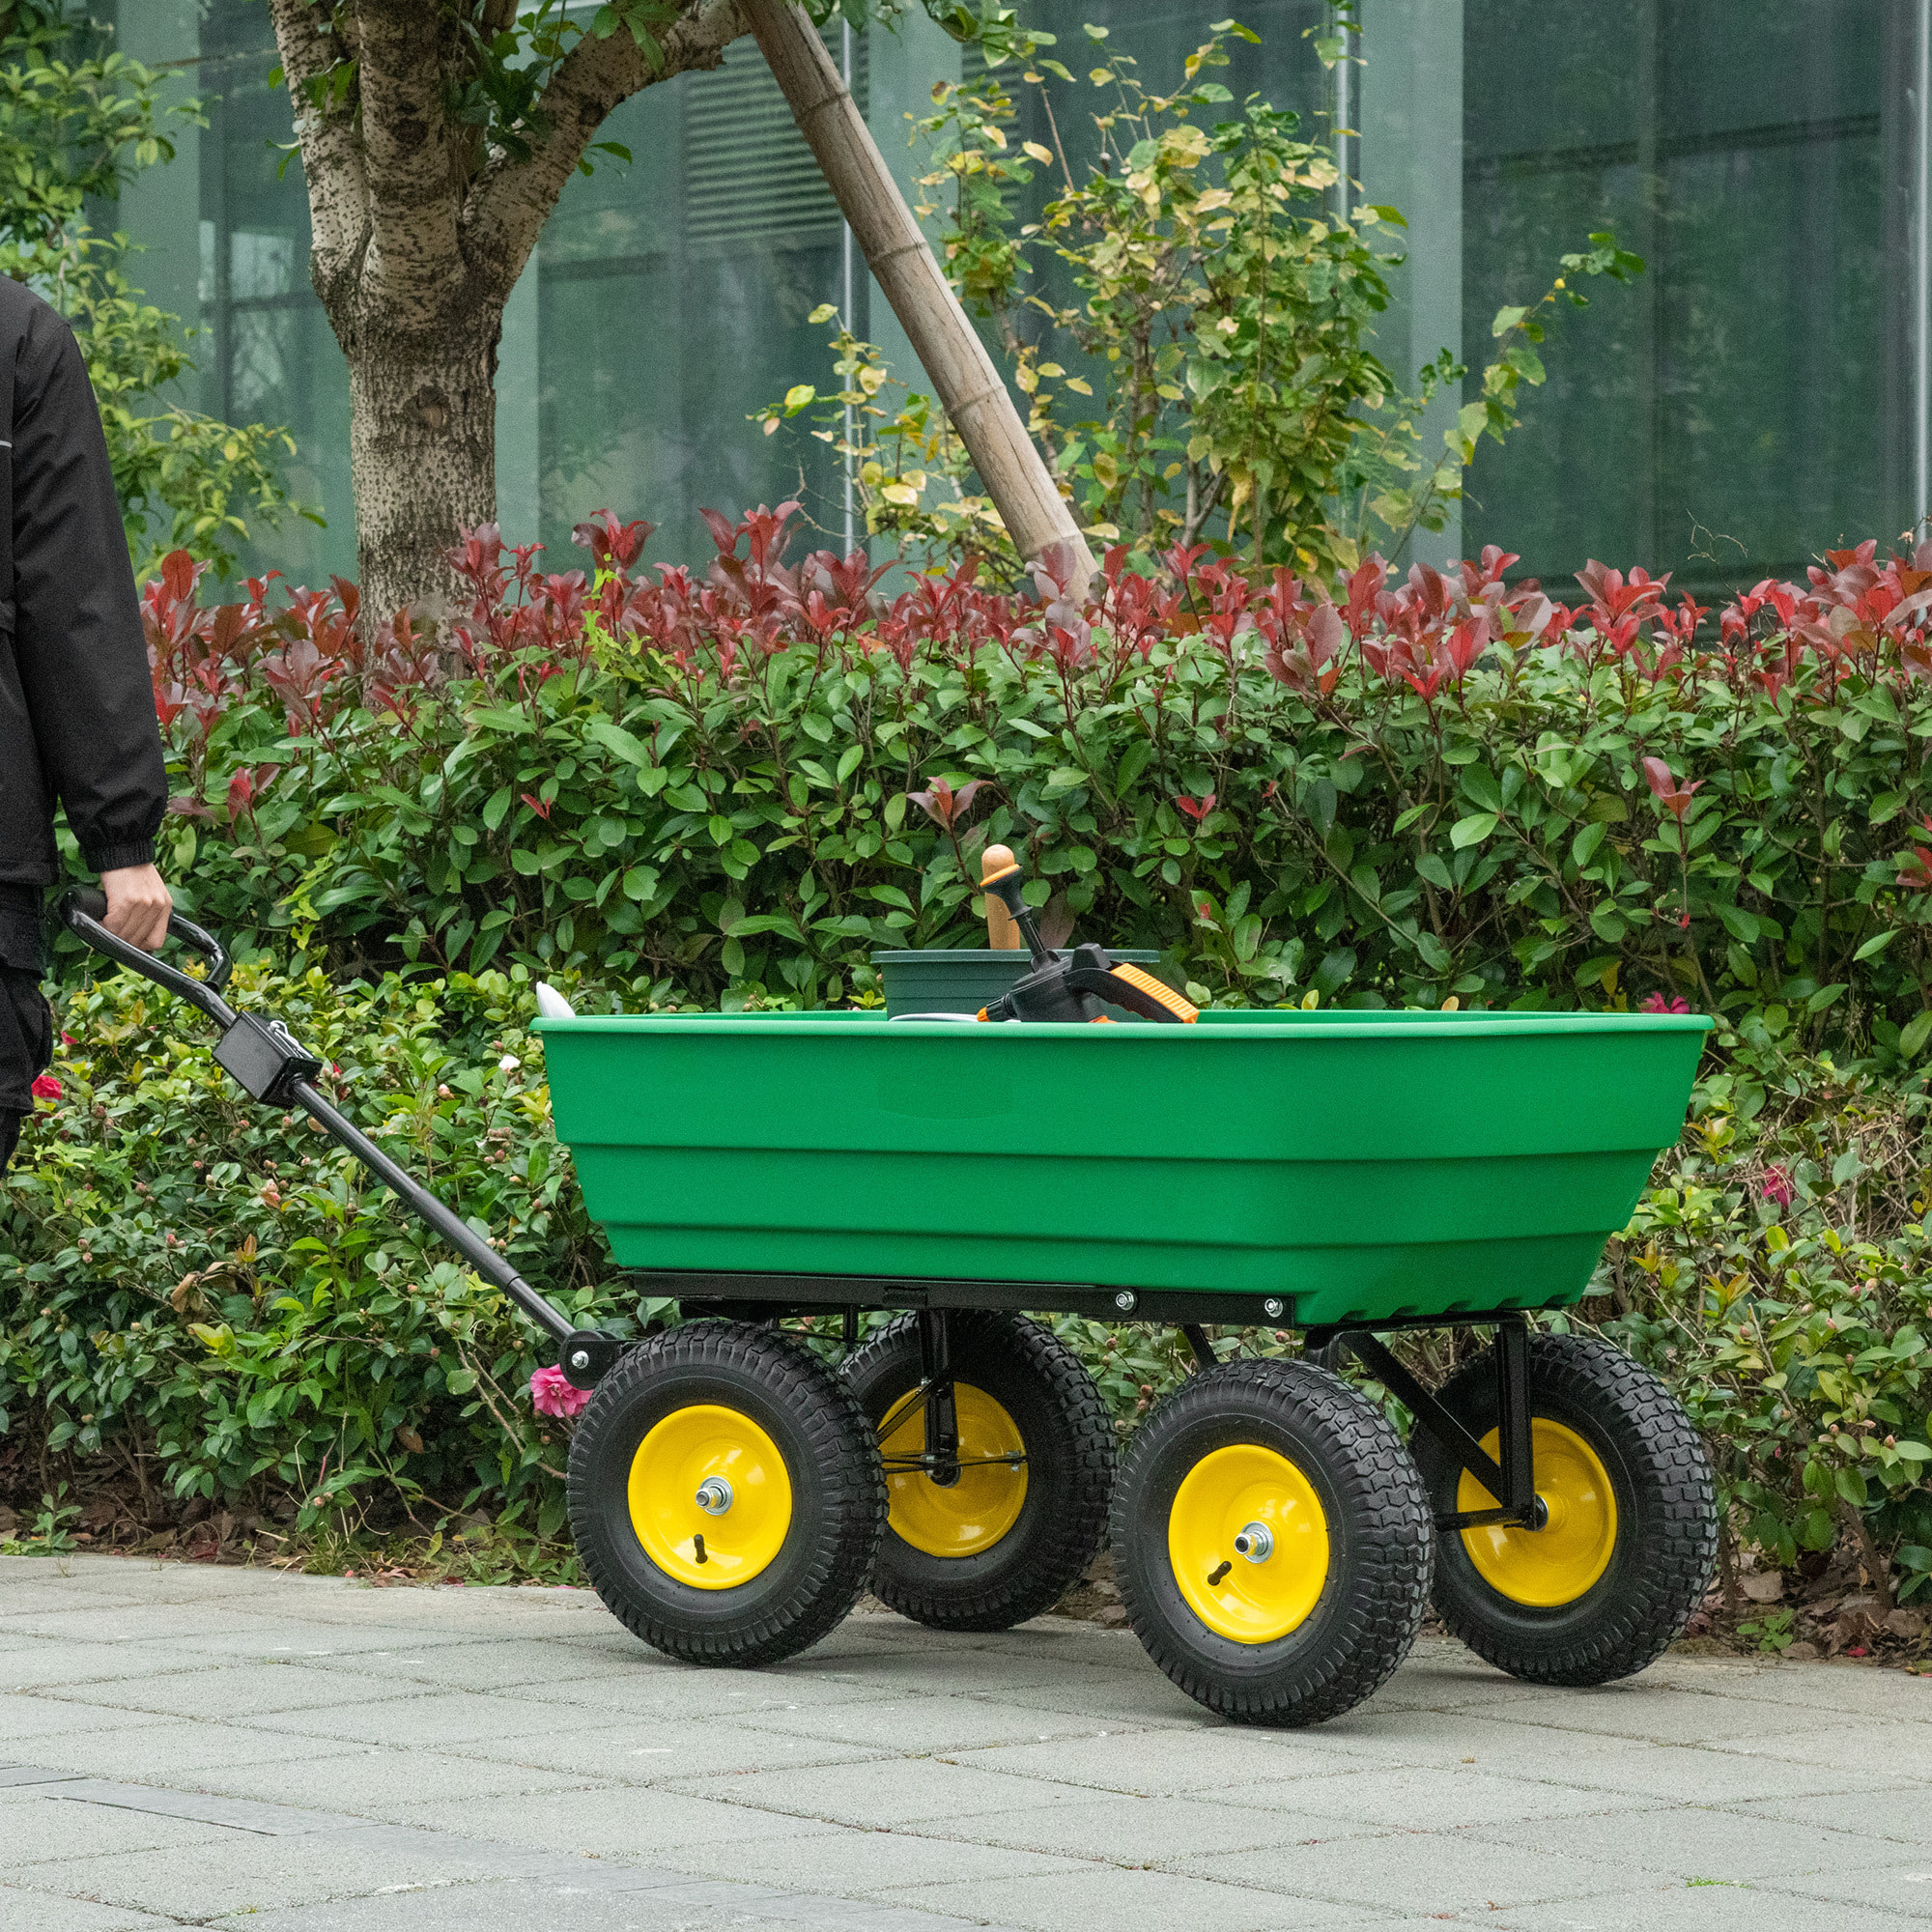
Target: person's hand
{"x": 138, "y": 905}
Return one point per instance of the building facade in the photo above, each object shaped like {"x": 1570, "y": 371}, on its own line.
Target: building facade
{"x": 1761, "y": 393}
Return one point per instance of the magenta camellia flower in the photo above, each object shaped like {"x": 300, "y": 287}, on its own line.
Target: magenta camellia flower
{"x": 47, "y": 1088}
{"x": 1658, "y": 1003}
{"x": 553, "y": 1394}
{"x": 1777, "y": 1186}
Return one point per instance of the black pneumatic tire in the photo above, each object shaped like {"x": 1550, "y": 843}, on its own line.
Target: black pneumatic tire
{"x": 838, "y": 1501}
{"x": 1068, "y": 1440}
{"x": 1377, "y": 1523}
{"x": 1666, "y": 1523}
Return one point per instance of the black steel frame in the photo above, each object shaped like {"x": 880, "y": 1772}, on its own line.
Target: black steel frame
{"x": 274, "y": 1069}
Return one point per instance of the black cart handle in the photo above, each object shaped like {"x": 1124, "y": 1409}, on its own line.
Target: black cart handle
{"x": 82, "y": 909}
{"x": 266, "y": 1062}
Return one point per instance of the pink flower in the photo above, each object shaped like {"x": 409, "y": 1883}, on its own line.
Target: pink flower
{"x": 1776, "y": 1186}
{"x": 551, "y": 1393}
{"x": 47, "y": 1088}
{"x": 1656, "y": 1004}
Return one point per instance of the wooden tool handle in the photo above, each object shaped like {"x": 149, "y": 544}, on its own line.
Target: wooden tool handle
{"x": 1002, "y": 934}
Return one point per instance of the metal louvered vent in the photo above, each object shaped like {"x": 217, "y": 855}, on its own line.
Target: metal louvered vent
{"x": 749, "y": 175}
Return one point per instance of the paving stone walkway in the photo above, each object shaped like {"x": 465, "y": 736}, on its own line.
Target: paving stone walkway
{"x": 181, "y": 1746}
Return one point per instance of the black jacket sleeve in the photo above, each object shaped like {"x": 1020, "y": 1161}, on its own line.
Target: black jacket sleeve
{"x": 83, "y": 662}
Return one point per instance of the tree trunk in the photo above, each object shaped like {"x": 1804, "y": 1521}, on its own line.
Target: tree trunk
{"x": 418, "y": 231}
{"x": 1015, "y": 475}
{"x": 423, "y": 450}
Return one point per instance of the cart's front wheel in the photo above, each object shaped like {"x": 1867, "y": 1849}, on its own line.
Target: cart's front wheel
{"x": 1273, "y": 1541}
{"x": 1023, "y": 1513}
{"x": 724, "y": 1494}
{"x": 1624, "y": 1557}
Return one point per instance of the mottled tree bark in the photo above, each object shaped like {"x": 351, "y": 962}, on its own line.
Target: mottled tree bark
{"x": 420, "y": 232}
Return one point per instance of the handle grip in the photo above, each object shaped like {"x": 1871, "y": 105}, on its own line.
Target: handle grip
{"x": 82, "y": 908}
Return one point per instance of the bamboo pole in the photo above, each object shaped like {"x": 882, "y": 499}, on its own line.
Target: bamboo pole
{"x": 1009, "y": 465}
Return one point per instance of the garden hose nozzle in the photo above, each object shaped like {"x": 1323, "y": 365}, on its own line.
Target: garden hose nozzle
{"x": 1072, "y": 987}
{"x": 1000, "y": 876}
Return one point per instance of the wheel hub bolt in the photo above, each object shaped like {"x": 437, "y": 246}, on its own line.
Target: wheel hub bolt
{"x": 1256, "y": 1542}
{"x": 714, "y": 1496}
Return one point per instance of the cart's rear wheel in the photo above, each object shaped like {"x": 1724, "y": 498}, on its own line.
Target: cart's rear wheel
{"x": 1272, "y": 1541}
{"x": 1025, "y": 1517}
{"x": 724, "y": 1494}
{"x": 1625, "y": 1557}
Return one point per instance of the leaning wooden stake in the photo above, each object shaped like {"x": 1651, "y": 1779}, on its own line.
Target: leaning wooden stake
{"x": 1009, "y": 465}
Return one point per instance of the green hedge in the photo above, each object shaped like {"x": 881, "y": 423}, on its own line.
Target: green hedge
{"x": 1426, "y": 789}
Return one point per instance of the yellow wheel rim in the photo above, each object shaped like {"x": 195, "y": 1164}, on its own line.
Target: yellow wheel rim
{"x": 1249, "y": 1587}
{"x": 1560, "y": 1562}
{"x": 978, "y": 1509}
{"x": 710, "y": 1496}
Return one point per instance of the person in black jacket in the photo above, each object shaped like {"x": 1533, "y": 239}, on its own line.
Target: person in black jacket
{"x": 76, "y": 705}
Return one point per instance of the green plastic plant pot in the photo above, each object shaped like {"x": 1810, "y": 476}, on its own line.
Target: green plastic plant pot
{"x": 1370, "y": 1166}
{"x": 962, "y": 980}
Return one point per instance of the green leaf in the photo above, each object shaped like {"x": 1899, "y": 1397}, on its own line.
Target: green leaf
{"x": 1875, "y": 944}
{"x": 614, "y": 738}
{"x": 1472, "y": 829}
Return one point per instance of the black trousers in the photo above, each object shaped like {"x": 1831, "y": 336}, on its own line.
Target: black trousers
{"x": 26, "y": 1045}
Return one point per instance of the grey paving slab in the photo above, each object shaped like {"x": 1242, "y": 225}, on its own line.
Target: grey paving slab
{"x": 1703, "y": 1907}
{"x": 1854, "y": 1747}
{"x": 1419, "y": 1872}
{"x": 28, "y": 1911}
{"x": 20, "y": 1777}
{"x": 38, "y": 1828}
{"x": 611, "y": 1822}
{"x": 166, "y": 1751}
{"x": 572, "y": 1905}
{"x": 1653, "y": 1714}
{"x": 1145, "y": 1831}
{"x": 1168, "y": 1763}
{"x": 267, "y": 1820}
{"x": 1113, "y": 1900}
{"x": 432, "y": 1719}
{"x": 238, "y": 1690}
{"x": 36, "y": 1715}
{"x": 466, "y": 1661}
{"x": 1447, "y": 1799}
{"x": 254, "y": 1874}
{"x": 375, "y": 1782}
{"x": 885, "y": 1862}
{"x": 883, "y": 1792}
{"x": 1688, "y": 1842}
{"x": 42, "y": 1662}
{"x": 1903, "y": 1814}
{"x": 648, "y": 1750}
{"x": 1902, "y": 1886}
{"x": 922, "y": 1723}
{"x": 651, "y": 1685}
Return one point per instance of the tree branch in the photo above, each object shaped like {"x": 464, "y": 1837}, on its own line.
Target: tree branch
{"x": 511, "y": 200}
{"x": 331, "y": 155}
{"x": 414, "y": 256}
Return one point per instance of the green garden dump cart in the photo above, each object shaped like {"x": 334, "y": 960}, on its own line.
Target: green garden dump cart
{"x": 1345, "y": 1174}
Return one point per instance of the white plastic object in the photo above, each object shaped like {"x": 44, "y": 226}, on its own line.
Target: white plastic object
{"x": 551, "y": 1004}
